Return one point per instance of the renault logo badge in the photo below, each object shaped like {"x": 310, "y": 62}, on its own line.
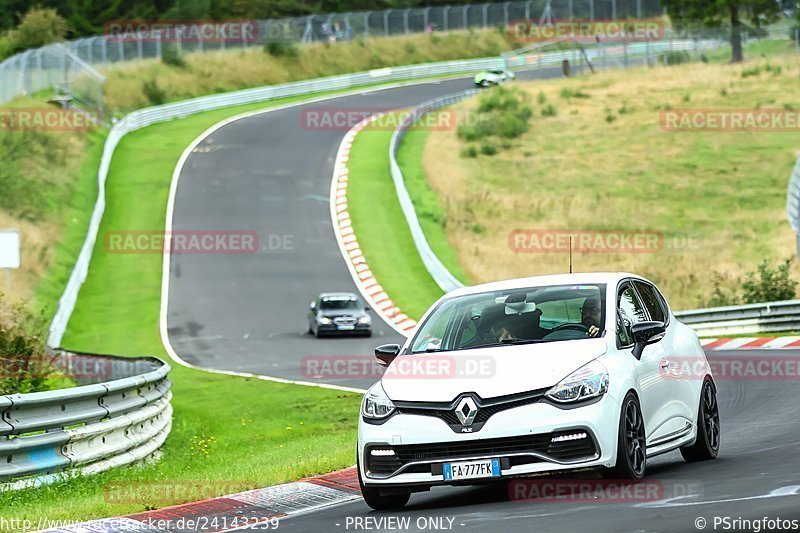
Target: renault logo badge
{"x": 466, "y": 410}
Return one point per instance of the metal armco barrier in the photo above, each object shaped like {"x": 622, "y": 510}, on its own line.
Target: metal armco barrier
{"x": 153, "y": 115}
{"x": 49, "y": 436}
{"x": 743, "y": 319}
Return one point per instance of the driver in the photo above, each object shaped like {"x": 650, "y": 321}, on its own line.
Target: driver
{"x": 591, "y": 316}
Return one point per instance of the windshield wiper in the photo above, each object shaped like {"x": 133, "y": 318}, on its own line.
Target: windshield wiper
{"x": 524, "y": 341}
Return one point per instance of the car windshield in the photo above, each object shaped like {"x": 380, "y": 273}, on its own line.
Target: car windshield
{"x": 340, "y": 302}
{"x": 517, "y": 316}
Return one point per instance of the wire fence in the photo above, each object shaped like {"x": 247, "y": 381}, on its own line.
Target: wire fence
{"x": 64, "y": 67}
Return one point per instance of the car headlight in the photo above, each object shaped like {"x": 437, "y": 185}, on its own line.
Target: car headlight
{"x": 376, "y": 404}
{"x": 325, "y": 320}
{"x": 364, "y": 320}
{"x": 587, "y": 382}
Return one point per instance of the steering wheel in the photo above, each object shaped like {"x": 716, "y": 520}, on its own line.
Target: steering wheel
{"x": 573, "y": 325}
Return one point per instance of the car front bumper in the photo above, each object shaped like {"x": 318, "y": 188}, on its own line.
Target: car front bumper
{"x": 521, "y": 437}
{"x": 333, "y": 329}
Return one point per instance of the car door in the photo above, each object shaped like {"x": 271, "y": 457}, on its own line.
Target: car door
{"x": 653, "y": 385}
{"x": 683, "y": 398}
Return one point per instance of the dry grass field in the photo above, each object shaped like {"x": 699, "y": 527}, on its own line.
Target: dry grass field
{"x": 604, "y": 162}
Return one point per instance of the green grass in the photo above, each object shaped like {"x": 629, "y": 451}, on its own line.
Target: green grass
{"x": 263, "y": 433}
{"x": 394, "y": 261}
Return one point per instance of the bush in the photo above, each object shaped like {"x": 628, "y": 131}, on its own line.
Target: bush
{"x": 469, "y": 151}
{"x": 488, "y": 148}
{"x": 721, "y": 296}
{"x": 549, "y": 111}
{"x": 749, "y": 72}
{"x": 769, "y": 284}
{"x": 25, "y": 365}
{"x": 282, "y": 49}
{"x": 676, "y": 58}
{"x": 567, "y": 94}
{"x": 172, "y": 57}
{"x": 38, "y": 27}
{"x": 154, "y": 94}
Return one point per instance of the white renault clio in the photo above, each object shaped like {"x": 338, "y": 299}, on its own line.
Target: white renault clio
{"x": 536, "y": 375}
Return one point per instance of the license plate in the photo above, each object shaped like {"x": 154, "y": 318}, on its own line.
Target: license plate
{"x": 472, "y": 469}
{"x": 345, "y": 327}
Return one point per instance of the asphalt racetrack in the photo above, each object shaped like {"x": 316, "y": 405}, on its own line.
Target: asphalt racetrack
{"x": 271, "y": 174}
{"x": 247, "y": 313}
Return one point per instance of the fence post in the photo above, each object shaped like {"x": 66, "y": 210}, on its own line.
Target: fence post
{"x": 386, "y": 23}
{"x": 485, "y": 16}
{"x": 613, "y": 9}
{"x": 505, "y": 14}
{"x": 465, "y": 16}
{"x": 158, "y": 44}
{"x": 366, "y": 24}
{"x": 104, "y": 49}
{"x": 571, "y": 9}
{"x": 591, "y": 9}
{"x": 638, "y": 9}
{"x": 139, "y": 46}
{"x": 445, "y": 14}
{"x": 405, "y": 20}
{"x": 528, "y": 10}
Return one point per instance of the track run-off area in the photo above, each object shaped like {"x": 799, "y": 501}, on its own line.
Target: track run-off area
{"x": 246, "y": 313}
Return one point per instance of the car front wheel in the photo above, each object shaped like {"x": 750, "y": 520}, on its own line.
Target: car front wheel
{"x": 706, "y": 446}
{"x": 631, "y": 441}
{"x": 378, "y": 501}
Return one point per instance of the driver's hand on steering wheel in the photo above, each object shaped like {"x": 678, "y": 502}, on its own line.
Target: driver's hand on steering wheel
{"x": 594, "y": 331}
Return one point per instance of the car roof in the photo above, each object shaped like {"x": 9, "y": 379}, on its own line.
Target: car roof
{"x": 583, "y": 278}
{"x": 350, "y": 295}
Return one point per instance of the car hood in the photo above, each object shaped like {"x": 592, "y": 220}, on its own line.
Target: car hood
{"x": 488, "y": 372}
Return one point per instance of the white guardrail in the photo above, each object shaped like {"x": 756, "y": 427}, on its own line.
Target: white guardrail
{"x": 711, "y": 322}
{"x": 46, "y": 437}
{"x": 162, "y": 113}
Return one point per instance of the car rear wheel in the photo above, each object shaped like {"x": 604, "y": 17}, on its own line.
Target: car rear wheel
{"x": 706, "y": 446}
{"x": 631, "y": 441}
{"x": 378, "y": 501}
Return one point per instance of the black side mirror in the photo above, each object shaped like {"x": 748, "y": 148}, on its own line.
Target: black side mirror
{"x": 646, "y": 333}
{"x": 386, "y": 353}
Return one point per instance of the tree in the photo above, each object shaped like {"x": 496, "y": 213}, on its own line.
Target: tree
{"x": 38, "y": 27}
{"x": 717, "y": 13}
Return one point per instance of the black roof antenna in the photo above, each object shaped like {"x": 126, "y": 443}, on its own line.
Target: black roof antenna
{"x": 570, "y": 254}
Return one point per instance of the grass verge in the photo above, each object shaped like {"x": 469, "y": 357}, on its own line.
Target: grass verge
{"x": 263, "y": 433}
{"x": 394, "y": 261}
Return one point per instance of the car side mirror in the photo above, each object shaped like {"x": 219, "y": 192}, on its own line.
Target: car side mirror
{"x": 646, "y": 333}
{"x": 313, "y": 306}
{"x": 386, "y": 353}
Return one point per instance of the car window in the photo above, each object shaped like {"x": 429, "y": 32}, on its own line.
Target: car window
{"x": 521, "y": 315}
{"x": 651, "y": 301}
{"x": 340, "y": 302}
{"x": 631, "y": 311}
